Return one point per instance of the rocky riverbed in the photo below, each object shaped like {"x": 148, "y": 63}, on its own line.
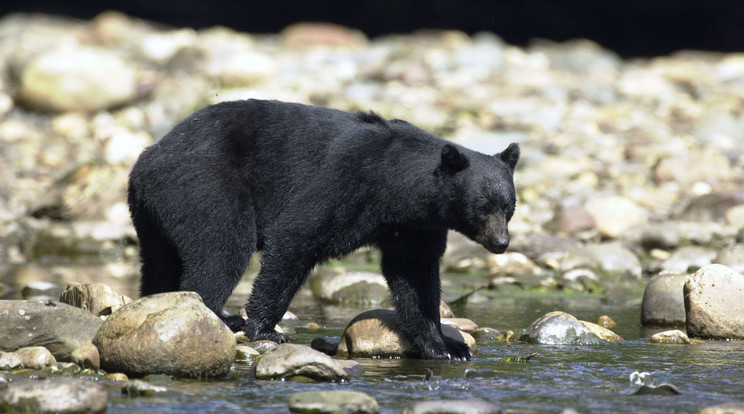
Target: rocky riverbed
{"x": 631, "y": 169}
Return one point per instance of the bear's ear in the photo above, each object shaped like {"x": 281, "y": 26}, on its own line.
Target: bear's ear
{"x": 510, "y": 155}
{"x": 452, "y": 159}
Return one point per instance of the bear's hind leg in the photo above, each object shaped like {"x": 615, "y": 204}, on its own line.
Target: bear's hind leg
{"x": 215, "y": 253}
{"x": 161, "y": 266}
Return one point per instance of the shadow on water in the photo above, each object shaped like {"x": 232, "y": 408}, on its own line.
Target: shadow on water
{"x": 586, "y": 378}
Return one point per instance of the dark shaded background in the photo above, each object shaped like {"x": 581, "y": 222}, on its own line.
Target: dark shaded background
{"x": 631, "y": 28}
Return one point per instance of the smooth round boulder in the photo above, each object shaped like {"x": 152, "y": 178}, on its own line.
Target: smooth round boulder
{"x": 670, "y": 337}
{"x": 560, "y": 328}
{"x": 377, "y": 333}
{"x": 663, "y": 300}
{"x": 714, "y": 303}
{"x": 336, "y": 401}
{"x": 55, "y": 395}
{"x": 292, "y": 361}
{"x": 169, "y": 333}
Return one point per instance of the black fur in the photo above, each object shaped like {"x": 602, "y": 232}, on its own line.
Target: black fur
{"x": 304, "y": 184}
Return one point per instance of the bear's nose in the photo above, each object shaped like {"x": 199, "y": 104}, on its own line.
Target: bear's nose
{"x": 499, "y": 245}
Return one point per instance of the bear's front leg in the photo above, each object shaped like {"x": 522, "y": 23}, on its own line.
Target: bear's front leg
{"x": 410, "y": 264}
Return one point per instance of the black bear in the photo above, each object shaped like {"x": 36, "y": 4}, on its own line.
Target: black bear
{"x": 304, "y": 184}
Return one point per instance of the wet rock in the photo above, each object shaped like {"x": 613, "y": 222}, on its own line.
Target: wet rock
{"x": 377, "y": 333}
{"x": 36, "y": 357}
{"x": 349, "y": 287}
{"x": 245, "y": 353}
{"x": 714, "y": 303}
{"x": 58, "y": 327}
{"x": 289, "y": 361}
{"x": 77, "y": 79}
{"x": 689, "y": 259}
{"x": 337, "y": 401}
{"x": 140, "y": 388}
{"x": 726, "y": 408}
{"x": 465, "y": 406}
{"x": 55, "y": 395}
{"x": 732, "y": 256}
{"x": 606, "y": 322}
{"x": 663, "y": 300}
{"x": 87, "y": 357}
{"x": 462, "y": 324}
{"x": 615, "y": 214}
{"x": 156, "y": 334}
{"x": 487, "y": 335}
{"x": 326, "y": 344}
{"x": 615, "y": 265}
{"x": 669, "y": 337}
{"x": 560, "y": 328}
{"x": 262, "y": 345}
{"x": 97, "y": 298}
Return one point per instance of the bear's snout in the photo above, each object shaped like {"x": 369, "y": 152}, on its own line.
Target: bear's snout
{"x": 497, "y": 245}
{"x": 494, "y": 236}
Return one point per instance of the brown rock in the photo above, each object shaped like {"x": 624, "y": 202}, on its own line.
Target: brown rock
{"x": 377, "y": 333}
{"x": 169, "y": 333}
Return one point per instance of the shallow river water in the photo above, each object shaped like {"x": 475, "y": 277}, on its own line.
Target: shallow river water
{"x": 585, "y": 378}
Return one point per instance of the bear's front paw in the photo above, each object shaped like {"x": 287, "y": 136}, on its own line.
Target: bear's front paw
{"x": 451, "y": 349}
{"x": 256, "y": 334}
{"x": 457, "y": 350}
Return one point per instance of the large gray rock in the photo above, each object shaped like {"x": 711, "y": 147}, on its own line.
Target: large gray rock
{"x": 55, "y": 395}
{"x": 560, "y": 328}
{"x": 170, "y": 333}
{"x": 336, "y": 401}
{"x": 377, "y": 333}
{"x": 58, "y": 327}
{"x": 77, "y": 79}
{"x": 466, "y": 406}
{"x": 714, "y": 302}
{"x": 663, "y": 300}
{"x": 292, "y": 360}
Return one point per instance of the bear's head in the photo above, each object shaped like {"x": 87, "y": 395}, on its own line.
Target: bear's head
{"x": 482, "y": 196}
